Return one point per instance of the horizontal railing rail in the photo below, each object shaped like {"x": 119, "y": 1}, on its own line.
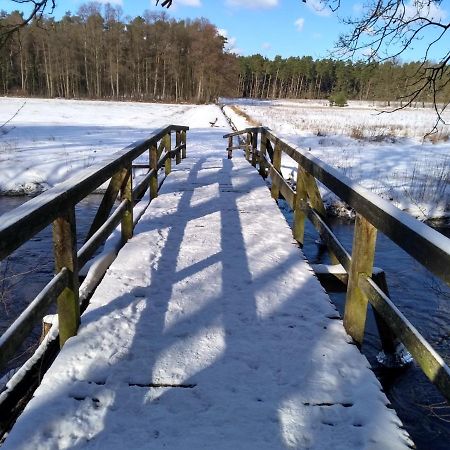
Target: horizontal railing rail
{"x": 57, "y": 206}
{"x": 264, "y": 149}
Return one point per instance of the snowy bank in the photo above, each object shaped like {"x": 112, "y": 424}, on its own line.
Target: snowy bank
{"x": 385, "y": 153}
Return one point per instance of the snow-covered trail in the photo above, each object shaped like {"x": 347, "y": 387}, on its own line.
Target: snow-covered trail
{"x": 210, "y": 331}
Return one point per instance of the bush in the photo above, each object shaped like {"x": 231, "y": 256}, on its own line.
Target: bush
{"x": 338, "y": 99}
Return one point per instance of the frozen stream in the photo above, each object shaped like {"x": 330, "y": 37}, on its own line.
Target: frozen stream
{"x": 423, "y": 299}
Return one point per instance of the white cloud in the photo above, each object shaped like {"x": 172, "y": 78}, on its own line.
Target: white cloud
{"x": 299, "y": 23}
{"x": 230, "y": 46}
{"x": 266, "y": 46}
{"x": 317, "y": 7}
{"x": 428, "y": 10}
{"x": 196, "y": 3}
{"x": 113, "y": 2}
{"x": 252, "y": 4}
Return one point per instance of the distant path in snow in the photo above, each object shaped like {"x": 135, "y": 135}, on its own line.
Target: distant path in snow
{"x": 210, "y": 331}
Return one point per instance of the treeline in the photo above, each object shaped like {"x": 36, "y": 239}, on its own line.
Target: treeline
{"x": 304, "y": 77}
{"x": 98, "y": 54}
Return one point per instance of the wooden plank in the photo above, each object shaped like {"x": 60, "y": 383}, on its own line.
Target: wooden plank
{"x": 168, "y": 162}
{"x": 183, "y": 141}
{"x": 429, "y": 360}
{"x": 65, "y": 249}
{"x": 387, "y": 337}
{"x": 275, "y": 191}
{"x": 245, "y": 130}
{"x": 126, "y": 193}
{"x": 153, "y": 156}
{"x": 230, "y": 147}
{"x": 262, "y": 156}
{"x": 248, "y": 140}
{"x": 13, "y": 337}
{"x": 300, "y": 205}
{"x": 363, "y": 252}
{"x": 178, "y": 146}
{"x": 254, "y": 146}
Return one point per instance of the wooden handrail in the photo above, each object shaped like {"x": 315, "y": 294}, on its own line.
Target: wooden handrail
{"x": 57, "y": 206}
{"x": 427, "y": 246}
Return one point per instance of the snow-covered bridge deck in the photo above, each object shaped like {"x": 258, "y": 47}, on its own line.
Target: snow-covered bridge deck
{"x": 210, "y": 331}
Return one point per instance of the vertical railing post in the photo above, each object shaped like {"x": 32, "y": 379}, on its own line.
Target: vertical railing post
{"x": 316, "y": 201}
{"x": 248, "y": 142}
{"x": 154, "y": 166}
{"x": 177, "y": 144}
{"x": 299, "y": 207}
{"x": 275, "y": 191}
{"x": 262, "y": 154}
{"x": 167, "y": 147}
{"x": 363, "y": 253}
{"x": 126, "y": 193}
{"x": 230, "y": 147}
{"x": 183, "y": 141}
{"x": 254, "y": 144}
{"x": 65, "y": 249}
{"x": 393, "y": 353}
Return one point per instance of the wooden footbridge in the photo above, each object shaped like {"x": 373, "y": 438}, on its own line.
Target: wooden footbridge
{"x": 209, "y": 329}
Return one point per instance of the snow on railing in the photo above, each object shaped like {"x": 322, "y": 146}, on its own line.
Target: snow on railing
{"x": 364, "y": 283}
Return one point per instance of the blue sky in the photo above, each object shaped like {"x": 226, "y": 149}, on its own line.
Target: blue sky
{"x": 268, "y": 27}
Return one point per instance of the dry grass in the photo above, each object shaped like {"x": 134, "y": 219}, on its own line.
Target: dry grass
{"x": 243, "y": 114}
{"x": 440, "y": 136}
{"x": 375, "y": 133}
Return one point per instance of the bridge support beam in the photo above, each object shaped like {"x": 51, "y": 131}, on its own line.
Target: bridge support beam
{"x": 65, "y": 250}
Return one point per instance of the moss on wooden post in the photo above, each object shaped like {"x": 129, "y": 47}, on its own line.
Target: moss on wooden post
{"x": 167, "y": 147}
{"x": 183, "y": 141}
{"x": 65, "y": 250}
{"x": 248, "y": 143}
{"x": 262, "y": 155}
{"x": 127, "y": 194}
{"x": 299, "y": 207}
{"x": 254, "y": 146}
{"x": 275, "y": 190}
{"x": 177, "y": 144}
{"x": 363, "y": 252}
{"x": 153, "y": 166}
{"x": 388, "y": 339}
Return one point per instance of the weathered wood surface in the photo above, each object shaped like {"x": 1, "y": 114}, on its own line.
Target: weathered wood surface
{"x": 363, "y": 253}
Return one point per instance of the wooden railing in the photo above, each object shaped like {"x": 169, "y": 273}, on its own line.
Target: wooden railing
{"x": 57, "y": 206}
{"x": 426, "y": 245}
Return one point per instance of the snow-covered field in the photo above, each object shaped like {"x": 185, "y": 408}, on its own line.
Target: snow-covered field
{"x": 49, "y": 141}
{"x": 386, "y": 152}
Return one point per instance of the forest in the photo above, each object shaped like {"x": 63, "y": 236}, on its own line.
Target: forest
{"x": 98, "y": 53}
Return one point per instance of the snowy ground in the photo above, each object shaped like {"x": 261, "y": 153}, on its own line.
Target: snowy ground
{"x": 210, "y": 331}
{"x": 51, "y": 140}
{"x": 384, "y": 152}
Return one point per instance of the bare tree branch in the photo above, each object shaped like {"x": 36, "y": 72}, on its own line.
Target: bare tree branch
{"x": 387, "y": 29}
{"x": 38, "y": 7}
